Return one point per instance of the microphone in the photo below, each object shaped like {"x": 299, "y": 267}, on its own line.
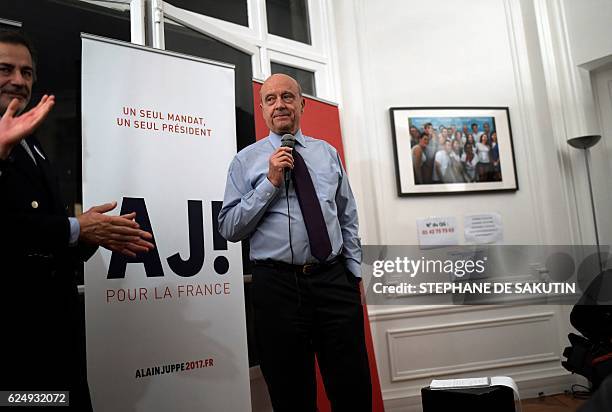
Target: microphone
{"x": 288, "y": 140}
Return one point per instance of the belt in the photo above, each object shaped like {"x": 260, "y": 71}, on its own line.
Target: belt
{"x": 307, "y": 269}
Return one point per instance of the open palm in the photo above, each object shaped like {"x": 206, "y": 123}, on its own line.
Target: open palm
{"x": 14, "y": 128}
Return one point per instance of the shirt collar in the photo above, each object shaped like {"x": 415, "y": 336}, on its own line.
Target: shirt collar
{"x": 275, "y": 139}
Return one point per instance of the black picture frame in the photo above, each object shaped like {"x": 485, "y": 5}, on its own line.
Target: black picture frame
{"x": 488, "y": 166}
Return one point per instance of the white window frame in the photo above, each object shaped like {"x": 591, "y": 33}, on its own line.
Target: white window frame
{"x": 319, "y": 69}
{"x": 257, "y": 42}
{"x": 137, "y": 16}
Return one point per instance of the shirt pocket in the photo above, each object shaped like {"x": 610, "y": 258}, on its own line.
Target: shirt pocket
{"x": 326, "y": 184}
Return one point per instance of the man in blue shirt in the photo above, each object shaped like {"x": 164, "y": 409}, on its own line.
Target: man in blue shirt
{"x": 306, "y": 256}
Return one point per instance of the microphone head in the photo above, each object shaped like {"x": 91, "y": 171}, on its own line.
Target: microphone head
{"x": 288, "y": 140}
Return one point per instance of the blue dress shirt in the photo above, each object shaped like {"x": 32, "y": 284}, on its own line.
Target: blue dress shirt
{"x": 75, "y": 231}
{"x": 256, "y": 209}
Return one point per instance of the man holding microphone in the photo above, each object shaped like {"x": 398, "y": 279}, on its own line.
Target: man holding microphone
{"x": 303, "y": 233}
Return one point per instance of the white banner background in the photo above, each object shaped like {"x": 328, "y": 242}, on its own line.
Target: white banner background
{"x": 125, "y": 337}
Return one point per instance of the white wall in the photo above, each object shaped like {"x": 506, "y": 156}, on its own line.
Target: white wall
{"x": 434, "y": 53}
{"x": 575, "y": 40}
{"x": 601, "y": 156}
{"x": 403, "y": 53}
{"x": 589, "y": 32}
{"x": 589, "y": 25}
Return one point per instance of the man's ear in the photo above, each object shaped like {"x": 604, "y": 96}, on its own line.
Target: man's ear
{"x": 303, "y": 104}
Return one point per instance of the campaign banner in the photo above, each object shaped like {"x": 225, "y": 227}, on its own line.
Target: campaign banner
{"x": 166, "y": 330}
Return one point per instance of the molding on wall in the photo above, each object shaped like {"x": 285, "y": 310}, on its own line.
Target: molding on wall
{"x": 394, "y": 336}
{"x": 597, "y": 64}
{"x": 409, "y": 312}
{"x": 526, "y": 108}
{"x": 372, "y": 127}
{"x": 395, "y": 312}
{"x": 514, "y": 361}
{"x": 569, "y": 91}
{"x": 481, "y": 323}
{"x": 331, "y": 43}
{"x": 353, "y": 86}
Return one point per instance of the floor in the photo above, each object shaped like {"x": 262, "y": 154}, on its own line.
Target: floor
{"x": 554, "y": 403}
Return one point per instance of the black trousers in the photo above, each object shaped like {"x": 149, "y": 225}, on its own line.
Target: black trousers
{"x": 299, "y": 315}
{"x": 43, "y": 346}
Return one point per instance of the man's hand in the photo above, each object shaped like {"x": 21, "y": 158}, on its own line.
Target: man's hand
{"x": 279, "y": 160}
{"x": 14, "y": 128}
{"x": 117, "y": 233}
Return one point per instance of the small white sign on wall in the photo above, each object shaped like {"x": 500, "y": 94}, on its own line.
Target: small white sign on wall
{"x": 483, "y": 228}
{"x": 437, "y": 231}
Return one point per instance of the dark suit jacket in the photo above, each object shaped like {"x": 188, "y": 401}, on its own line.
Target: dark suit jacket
{"x": 41, "y": 317}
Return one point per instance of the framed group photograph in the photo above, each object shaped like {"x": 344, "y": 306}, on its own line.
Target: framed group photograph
{"x": 444, "y": 150}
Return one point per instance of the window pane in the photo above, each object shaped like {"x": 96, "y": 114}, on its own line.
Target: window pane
{"x": 305, "y": 78}
{"x": 234, "y": 11}
{"x": 289, "y": 19}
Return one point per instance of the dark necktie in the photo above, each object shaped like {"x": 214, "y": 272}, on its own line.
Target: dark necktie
{"x": 320, "y": 245}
